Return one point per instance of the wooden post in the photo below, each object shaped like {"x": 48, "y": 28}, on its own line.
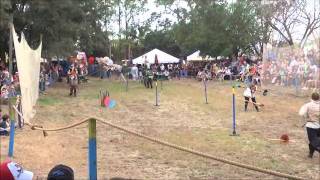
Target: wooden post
{"x": 110, "y": 50}
{"x": 10, "y": 103}
{"x": 12, "y": 128}
{"x": 92, "y": 150}
{"x": 234, "y": 133}
{"x": 157, "y": 93}
{"x": 127, "y": 84}
{"x": 205, "y": 90}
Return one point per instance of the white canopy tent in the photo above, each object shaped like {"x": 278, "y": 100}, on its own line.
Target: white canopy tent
{"x": 196, "y": 57}
{"x": 163, "y": 58}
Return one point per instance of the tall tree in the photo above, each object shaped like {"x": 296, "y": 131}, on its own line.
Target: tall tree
{"x": 93, "y": 34}
{"x": 286, "y": 16}
{"x": 57, "y": 22}
{"x": 128, "y": 25}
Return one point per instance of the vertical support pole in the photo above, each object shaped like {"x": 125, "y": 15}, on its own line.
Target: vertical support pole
{"x": 205, "y": 90}
{"x": 157, "y": 93}
{"x": 127, "y": 84}
{"x": 10, "y": 103}
{"x": 92, "y": 150}
{"x": 234, "y": 133}
{"x": 12, "y": 129}
{"x": 110, "y": 49}
{"x": 19, "y": 118}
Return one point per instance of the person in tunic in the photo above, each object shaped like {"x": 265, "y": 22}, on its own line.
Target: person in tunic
{"x": 73, "y": 77}
{"x": 148, "y": 78}
{"x": 249, "y": 92}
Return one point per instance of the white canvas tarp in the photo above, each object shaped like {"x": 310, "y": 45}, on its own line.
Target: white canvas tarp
{"x": 28, "y": 61}
{"x": 163, "y": 58}
{"x": 196, "y": 57}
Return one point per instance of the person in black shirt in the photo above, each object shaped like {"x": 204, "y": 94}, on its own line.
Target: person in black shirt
{"x": 5, "y": 126}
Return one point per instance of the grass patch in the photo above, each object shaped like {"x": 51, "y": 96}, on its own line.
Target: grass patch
{"x": 49, "y": 101}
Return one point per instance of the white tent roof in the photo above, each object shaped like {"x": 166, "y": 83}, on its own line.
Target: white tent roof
{"x": 196, "y": 57}
{"x": 150, "y": 57}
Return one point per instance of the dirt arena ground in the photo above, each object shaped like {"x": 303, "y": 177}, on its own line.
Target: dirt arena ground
{"x": 182, "y": 118}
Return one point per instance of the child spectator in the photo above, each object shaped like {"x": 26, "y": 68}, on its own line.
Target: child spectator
{"x": 4, "y": 126}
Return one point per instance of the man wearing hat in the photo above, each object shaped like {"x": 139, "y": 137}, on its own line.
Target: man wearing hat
{"x": 12, "y": 171}
{"x": 311, "y": 112}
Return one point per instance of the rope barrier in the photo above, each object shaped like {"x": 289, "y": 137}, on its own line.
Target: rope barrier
{"x": 177, "y": 147}
{"x": 265, "y": 171}
{"x": 38, "y": 127}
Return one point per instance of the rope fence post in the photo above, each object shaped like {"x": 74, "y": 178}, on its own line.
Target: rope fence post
{"x": 12, "y": 128}
{"x": 92, "y": 150}
{"x": 234, "y": 133}
{"x": 10, "y": 103}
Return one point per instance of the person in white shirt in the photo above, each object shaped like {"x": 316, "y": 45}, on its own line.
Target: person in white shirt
{"x": 311, "y": 112}
{"x": 134, "y": 72}
{"x": 248, "y": 93}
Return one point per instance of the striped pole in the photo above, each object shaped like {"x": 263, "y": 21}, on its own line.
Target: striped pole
{"x": 92, "y": 150}
{"x": 20, "y": 119}
{"x": 127, "y": 84}
{"x": 12, "y": 129}
{"x": 205, "y": 90}
{"x": 11, "y": 110}
{"x": 157, "y": 93}
{"x": 234, "y": 133}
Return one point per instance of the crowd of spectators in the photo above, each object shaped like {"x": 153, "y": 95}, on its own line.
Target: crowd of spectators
{"x": 50, "y": 73}
{"x": 297, "y": 69}
{"x": 241, "y": 68}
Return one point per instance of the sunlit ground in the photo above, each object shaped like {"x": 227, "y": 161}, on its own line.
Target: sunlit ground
{"x": 182, "y": 118}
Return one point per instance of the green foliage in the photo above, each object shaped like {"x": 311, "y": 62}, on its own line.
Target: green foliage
{"x": 163, "y": 40}
{"x": 48, "y": 101}
{"x": 218, "y": 29}
{"x": 212, "y": 26}
{"x": 66, "y": 26}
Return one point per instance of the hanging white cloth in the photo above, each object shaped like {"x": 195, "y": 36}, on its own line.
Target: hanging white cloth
{"x": 28, "y": 62}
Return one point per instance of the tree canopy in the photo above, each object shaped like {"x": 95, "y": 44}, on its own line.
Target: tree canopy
{"x": 178, "y": 27}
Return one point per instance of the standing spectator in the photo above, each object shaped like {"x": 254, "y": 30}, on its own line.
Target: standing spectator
{"x": 311, "y": 112}
{"x": 91, "y": 65}
{"x": 5, "y": 126}
{"x": 42, "y": 83}
{"x": 73, "y": 78}
{"x": 134, "y": 72}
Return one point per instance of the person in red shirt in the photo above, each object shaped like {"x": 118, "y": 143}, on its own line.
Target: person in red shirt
{"x": 91, "y": 60}
{"x": 91, "y": 64}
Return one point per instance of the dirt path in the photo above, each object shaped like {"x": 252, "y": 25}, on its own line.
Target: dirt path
{"x": 182, "y": 118}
